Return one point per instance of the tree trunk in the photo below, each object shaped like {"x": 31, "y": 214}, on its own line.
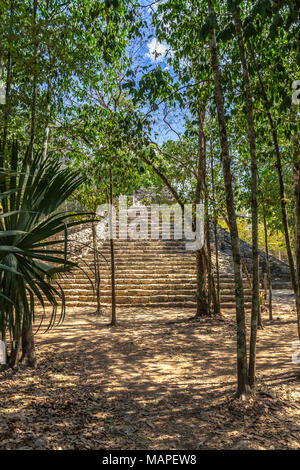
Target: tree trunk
{"x": 96, "y": 268}
{"x": 34, "y": 86}
{"x": 269, "y": 280}
{"x": 112, "y": 257}
{"x": 212, "y": 294}
{"x": 13, "y": 360}
{"x": 254, "y": 204}
{"x": 202, "y": 287}
{"x": 48, "y": 108}
{"x": 201, "y": 294}
{"x": 242, "y": 373}
{"x": 47, "y": 120}
{"x": 14, "y": 356}
{"x": 296, "y": 176}
{"x": 218, "y": 307}
{"x": 215, "y": 223}
{"x": 28, "y": 348}
{"x": 280, "y": 180}
{"x": 7, "y": 105}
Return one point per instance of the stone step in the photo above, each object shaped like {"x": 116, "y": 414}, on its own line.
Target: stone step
{"x": 92, "y": 305}
{"x": 150, "y": 266}
{"x": 163, "y": 270}
{"x": 153, "y": 303}
{"x": 148, "y": 272}
{"x": 228, "y": 297}
{"x": 142, "y": 292}
{"x": 142, "y": 258}
{"x": 147, "y": 264}
{"x": 134, "y": 299}
{"x": 68, "y": 284}
{"x": 124, "y": 282}
{"x": 136, "y": 287}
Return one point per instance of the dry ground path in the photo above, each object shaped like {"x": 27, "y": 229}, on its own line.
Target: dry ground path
{"x": 156, "y": 381}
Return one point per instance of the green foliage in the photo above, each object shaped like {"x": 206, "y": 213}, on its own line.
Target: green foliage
{"x": 30, "y": 257}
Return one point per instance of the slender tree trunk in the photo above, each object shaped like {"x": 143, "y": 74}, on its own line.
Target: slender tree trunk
{"x": 13, "y": 360}
{"x": 208, "y": 262}
{"x": 34, "y": 87}
{"x": 202, "y": 288}
{"x": 215, "y": 221}
{"x": 28, "y": 347}
{"x": 7, "y": 106}
{"x": 260, "y": 308}
{"x": 216, "y": 237}
{"x": 96, "y": 268}
{"x": 48, "y": 108}
{"x": 242, "y": 373}
{"x": 296, "y": 176}
{"x": 47, "y": 120}
{"x": 7, "y": 103}
{"x": 112, "y": 258}
{"x": 201, "y": 294}
{"x": 254, "y": 203}
{"x": 259, "y": 318}
{"x": 14, "y": 356}
{"x": 269, "y": 280}
{"x": 212, "y": 294}
{"x": 280, "y": 178}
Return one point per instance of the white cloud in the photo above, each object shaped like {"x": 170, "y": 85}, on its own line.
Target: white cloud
{"x": 157, "y": 50}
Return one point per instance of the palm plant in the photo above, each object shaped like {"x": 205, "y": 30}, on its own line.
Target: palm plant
{"x": 31, "y": 259}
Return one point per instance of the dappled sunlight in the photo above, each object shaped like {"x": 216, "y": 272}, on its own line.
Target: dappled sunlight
{"x": 155, "y": 381}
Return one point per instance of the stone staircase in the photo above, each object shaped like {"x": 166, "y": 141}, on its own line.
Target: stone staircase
{"x": 156, "y": 272}
{"x": 148, "y": 272}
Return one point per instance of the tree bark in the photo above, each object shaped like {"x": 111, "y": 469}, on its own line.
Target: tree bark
{"x": 48, "y": 106}
{"x": 201, "y": 293}
{"x": 47, "y": 119}
{"x": 254, "y": 203}
{"x": 96, "y": 268}
{"x": 215, "y": 223}
{"x": 203, "y": 307}
{"x": 34, "y": 86}
{"x": 242, "y": 373}
{"x": 112, "y": 256}
{"x": 14, "y": 356}
{"x": 13, "y": 360}
{"x": 28, "y": 347}
{"x": 295, "y": 141}
{"x": 213, "y": 302}
{"x": 7, "y": 106}
{"x": 269, "y": 280}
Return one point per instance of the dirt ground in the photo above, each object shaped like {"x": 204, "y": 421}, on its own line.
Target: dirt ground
{"x": 157, "y": 381}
